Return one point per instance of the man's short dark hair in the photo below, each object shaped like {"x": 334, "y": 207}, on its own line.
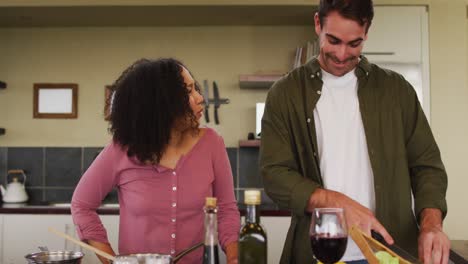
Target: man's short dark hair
{"x": 361, "y": 11}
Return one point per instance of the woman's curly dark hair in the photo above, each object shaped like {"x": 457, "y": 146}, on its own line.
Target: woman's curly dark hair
{"x": 150, "y": 99}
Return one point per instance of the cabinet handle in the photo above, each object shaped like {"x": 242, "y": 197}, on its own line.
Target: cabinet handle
{"x": 378, "y": 53}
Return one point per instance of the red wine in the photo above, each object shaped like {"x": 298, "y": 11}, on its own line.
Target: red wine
{"x": 210, "y": 252}
{"x": 328, "y": 249}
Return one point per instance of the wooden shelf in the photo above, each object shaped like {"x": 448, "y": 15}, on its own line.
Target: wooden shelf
{"x": 3, "y": 85}
{"x": 255, "y": 143}
{"x": 257, "y": 81}
{"x": 164, "y": 13}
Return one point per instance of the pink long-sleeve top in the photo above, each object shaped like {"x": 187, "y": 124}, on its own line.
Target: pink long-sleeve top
{"x": 161, "y": 209}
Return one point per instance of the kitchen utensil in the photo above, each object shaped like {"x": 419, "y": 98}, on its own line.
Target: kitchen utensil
{"x": 55, "y": 257}
{"x": 398, "y": 250}
{"x": 125, "y": 260}
{"x": 89, "y": 247}
{"x": 15, "y": 191}
{"x": 206, "y": 96}
{"x": 217, "y": 104}
{"x": 141, "y": 257}
{"x": 368, "y": 245}
{"x": 43, "y": 248}
{"x": 150, "y": 258}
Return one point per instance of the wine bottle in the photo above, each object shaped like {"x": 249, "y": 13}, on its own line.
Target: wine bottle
{"x": 252, "y": 238}
{"x": 210, "y": 252}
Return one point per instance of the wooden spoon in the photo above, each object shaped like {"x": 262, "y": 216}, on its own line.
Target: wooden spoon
{"x": 82, "y": 244}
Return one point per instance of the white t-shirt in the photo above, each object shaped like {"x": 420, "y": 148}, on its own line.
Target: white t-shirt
{"x": 344, "y": 160}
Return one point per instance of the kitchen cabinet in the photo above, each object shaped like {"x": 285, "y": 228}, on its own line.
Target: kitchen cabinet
{"x": 276, "y": 229}
{"x": 21, "y": 234}
{"x": 398, "y": 34}
{"x": 399, "y": 40}
{"x": 1, "y": 238}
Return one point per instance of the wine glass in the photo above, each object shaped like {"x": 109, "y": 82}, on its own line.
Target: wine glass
{"x": 328, "y": 234}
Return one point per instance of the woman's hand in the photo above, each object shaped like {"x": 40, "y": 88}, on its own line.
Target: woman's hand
{"x": 104, "y": 247}
{"x": 231, "y": 253}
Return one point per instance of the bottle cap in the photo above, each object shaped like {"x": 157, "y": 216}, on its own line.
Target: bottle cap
{"x": 210, "y": 202}
{"x": 252, "y": 197}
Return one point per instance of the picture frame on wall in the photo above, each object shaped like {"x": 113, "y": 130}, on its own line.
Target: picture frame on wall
{"x": 108, "y": 92}
{"x": 55, "y": 100}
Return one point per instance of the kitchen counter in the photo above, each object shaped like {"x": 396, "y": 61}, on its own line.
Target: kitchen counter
{"x": 105, "y": 209}
{"x": 459, "y": 252}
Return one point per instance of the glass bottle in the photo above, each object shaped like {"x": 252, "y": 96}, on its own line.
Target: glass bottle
{"x": 252, "y": 238}
{"x": 210, "y": 252}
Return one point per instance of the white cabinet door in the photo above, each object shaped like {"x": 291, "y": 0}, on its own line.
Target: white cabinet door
{"x": 398, "y": 31}
{"x": 111, "y": 223}
{"x": 276, "y": 228}
{"x": 1, "y": 238}
{"x": 22, "y": 234}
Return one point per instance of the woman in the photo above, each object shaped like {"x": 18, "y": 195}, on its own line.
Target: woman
{"x": 163, "y": 166}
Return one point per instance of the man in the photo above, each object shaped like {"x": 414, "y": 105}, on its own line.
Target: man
{"x": 342, "y": 132}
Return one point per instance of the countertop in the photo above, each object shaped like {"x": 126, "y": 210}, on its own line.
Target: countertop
{"x": 105, "y": 209}
{"x": 459, "y": 248}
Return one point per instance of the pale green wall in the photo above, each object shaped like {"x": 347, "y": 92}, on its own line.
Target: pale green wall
{"x": 94, "y": 57}
{"x": 449, "y": 104}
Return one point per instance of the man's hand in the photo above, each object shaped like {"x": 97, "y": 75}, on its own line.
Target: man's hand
{"x": 355, "y": 213}
{"x": 433, "y": 243}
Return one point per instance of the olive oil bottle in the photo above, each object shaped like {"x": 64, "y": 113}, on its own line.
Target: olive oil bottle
{"x": 210, "y": 252}
{"x": 252, "y": 238}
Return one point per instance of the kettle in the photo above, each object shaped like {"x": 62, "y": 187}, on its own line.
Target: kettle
{"x": 15, "y": 191}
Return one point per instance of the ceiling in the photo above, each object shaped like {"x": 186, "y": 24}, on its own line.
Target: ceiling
{"x": 122, "y": 16}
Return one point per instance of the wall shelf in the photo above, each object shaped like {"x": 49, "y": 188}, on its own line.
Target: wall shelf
{"x": 257, "y": 81}
{"x": 254, "y": 143}
{"x": 3, "y": 85}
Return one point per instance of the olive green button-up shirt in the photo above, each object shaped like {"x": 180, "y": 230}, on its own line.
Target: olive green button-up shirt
{"x": 404, "y": 156}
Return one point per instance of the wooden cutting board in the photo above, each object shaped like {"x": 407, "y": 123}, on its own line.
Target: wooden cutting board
{"x": 369, "y": 246}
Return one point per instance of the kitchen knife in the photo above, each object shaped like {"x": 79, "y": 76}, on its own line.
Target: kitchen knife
{"x": 217, "y": 102}
{"x": 206, "y": 96}
{"x": 398, "y": 250}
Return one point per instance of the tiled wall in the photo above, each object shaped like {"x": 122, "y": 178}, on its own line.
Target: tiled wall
{"x": 53, "y": 172}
